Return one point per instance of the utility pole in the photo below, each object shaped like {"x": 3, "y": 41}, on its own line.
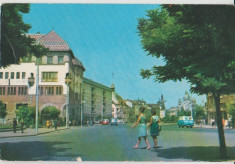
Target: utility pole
{"x": 37, "y": 81}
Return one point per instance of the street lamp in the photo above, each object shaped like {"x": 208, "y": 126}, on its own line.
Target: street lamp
{"x": 31, "y": 81}
{"x": 67, "y": 82}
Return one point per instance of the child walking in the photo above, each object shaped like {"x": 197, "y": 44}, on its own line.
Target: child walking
{"x": 154, "y": 127}
{"x": 142, "y": 129}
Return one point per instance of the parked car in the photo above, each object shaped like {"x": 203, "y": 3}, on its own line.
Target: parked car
{"x": 104, "y": 122}
{"x": 113, "y": 121}
{"x": 185, "y": 121}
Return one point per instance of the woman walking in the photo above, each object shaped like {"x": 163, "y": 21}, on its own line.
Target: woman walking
{"x": 142, "y": 129}
{"x": 154, "y": 127}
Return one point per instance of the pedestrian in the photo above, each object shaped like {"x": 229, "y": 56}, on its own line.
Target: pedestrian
{"x": 154, "y": 127}
{"x": 142, "y": 129}
{"x": 47, "y": 124}
{"x": 22, "y": 125}
{"x": 223, "y": 122}
{"x": 14, "y": 125}
{"x": 55, "y": 124}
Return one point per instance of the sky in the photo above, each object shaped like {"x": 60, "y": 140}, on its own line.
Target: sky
{"x": 105, "y": 39}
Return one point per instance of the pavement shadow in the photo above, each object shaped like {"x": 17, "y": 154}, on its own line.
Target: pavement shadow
{"x": 36, "y": 150}
{"x": 195, "y": 153}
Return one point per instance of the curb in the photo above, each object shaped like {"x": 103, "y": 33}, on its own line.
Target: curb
{"x": 31, "y": 135}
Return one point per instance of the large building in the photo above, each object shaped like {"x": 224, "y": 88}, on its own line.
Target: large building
{"x": 17, "y": 87}
{"x": 97, "y": 101}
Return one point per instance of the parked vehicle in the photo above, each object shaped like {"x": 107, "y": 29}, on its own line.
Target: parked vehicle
{"x": 185, "y": 121}
{"x": 104, "y": 122}
{"x": 113, "y": 121}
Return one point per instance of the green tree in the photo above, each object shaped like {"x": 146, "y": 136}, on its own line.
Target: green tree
{"x": 24, "y": 113}
{"x": 199, "y": 112}
{"x": 197, "y": 44}
{"x": 50, "y": 112}
{"x": 131, "y": 115}
{"x": 3, "y": 110}
{"x": 14, "y": 42}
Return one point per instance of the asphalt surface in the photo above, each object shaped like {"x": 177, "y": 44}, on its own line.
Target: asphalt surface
{"x": 114, "y": 143}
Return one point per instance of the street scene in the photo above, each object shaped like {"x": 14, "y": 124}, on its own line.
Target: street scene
{"x": 114, "y": 143}
{"x": 111, "y": 82}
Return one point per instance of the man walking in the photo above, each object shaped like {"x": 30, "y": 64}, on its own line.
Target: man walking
{"x": 14, "y": 125}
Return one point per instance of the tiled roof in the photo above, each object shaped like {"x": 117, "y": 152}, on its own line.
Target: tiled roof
{"x": 52, "y": 41}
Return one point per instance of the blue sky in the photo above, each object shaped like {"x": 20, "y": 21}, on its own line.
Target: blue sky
{"x": 104, "y": 37}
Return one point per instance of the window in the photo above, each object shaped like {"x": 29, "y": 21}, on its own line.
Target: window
{"x": 60, "y": 59}
{"x": 6, "y": 75}
{"x": 2, "y": 90}
{"x": 8, "y": 91}
{"x": 58, "y": 90}
{"x": 23, "y": 75}
{"x": 25, "y": 90}
{"x": 49, "y": 90}
{"x": 1, "y": 75}
{"x": 40, "y": 90}
{"x": 49, "y": 59}
{"x": 12, "y": 75}
{"x": 11, "y": 90}
{"x": 22, "y": 90}
{"x": 49, "y": 76}
{"x": 19, "y": 90}
{"x": 17, "y": 75}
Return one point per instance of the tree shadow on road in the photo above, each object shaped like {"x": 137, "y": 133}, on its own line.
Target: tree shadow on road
{"x": 37, "y": 150}
{"x": 195, "y": 153}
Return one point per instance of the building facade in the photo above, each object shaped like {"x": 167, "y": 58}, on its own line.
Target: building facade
{"x": 224, "y": 100}
{"x": 15, "y": 89}
{"x": 96, "y": 101}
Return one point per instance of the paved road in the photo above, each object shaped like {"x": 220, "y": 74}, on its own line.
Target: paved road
{"x": 106, "y": 143}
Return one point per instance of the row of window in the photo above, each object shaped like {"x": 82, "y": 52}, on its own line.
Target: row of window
{"x": 49, "y": 60}
{"x": 49, "y": 90}
{"x": 13, "y": 75}
{"x": 46, "y": 76}
{"x": 12, "y": 90}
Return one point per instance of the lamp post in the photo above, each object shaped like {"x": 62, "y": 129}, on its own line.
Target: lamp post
{"x": 67, "y": 82}
{"x": 31, "y": 81}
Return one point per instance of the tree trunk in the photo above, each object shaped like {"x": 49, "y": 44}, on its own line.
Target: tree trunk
{"x": 223, "y": 149}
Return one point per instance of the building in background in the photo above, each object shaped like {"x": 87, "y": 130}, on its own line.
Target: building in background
{"x": 173, "y": 111}
{"x": 224, "y": 101}
{"x": 96, "y": 101}
{"x": 186, "y": 104}
{"x": 60, "y": 61}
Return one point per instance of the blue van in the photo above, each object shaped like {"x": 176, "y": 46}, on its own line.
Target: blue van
{"x": 113, "y": 121}
{"x": 185, "y": 121}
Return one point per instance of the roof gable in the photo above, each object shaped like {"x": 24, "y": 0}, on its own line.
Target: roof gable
{"x": 52, "y": 41}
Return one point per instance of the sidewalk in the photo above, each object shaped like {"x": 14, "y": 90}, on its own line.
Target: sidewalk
{"x": 29, "y": 132}
{"x": 209, "y": 127}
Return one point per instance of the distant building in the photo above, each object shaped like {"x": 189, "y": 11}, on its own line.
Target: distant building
{"x": 173, "y": 111}
{"x": 118, "y": 105}
{"x": 186, "y": 103}
{"x": 97, "y": 101}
